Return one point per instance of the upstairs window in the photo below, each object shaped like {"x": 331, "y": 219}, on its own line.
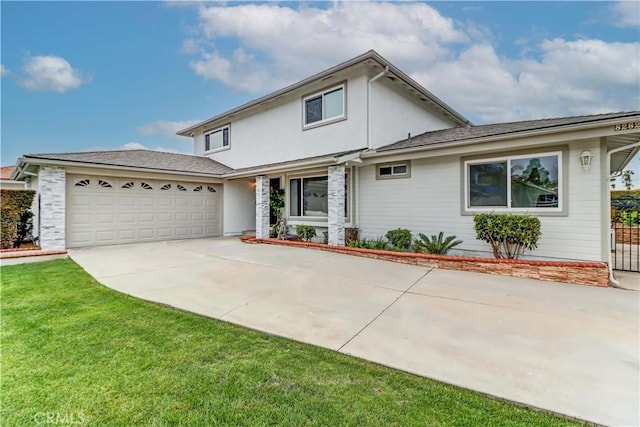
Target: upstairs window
{"x": 325, "y": 106}
{"x": 217, "y": 139}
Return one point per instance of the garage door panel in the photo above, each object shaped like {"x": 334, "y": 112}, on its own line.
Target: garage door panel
{"x": 105, "y": 236}
{"x": 105, "y": 218}
{"x": 182, "y": 216}
{"x": 127, "y": 218}
{"x": 165, "y": 217}
{"x": 133, "y": 210}
{"x": 146, "y": 217}
{"x": 127, "y": 201}
{"x": 146, "y": 202}
{"x": 127, "y": 234}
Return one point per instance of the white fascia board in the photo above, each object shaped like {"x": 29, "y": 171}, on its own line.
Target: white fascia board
{"x": 23, "y": 162}
{"x": 532, "y": 137}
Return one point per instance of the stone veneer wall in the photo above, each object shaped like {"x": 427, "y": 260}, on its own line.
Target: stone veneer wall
{"x": 51, "y": 188}
{"x": 262, "y": 207}
{"x": 582, "y": 273}
{"x": 336, "y": 205}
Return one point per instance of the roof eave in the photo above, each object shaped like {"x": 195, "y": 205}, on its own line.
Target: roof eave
{"x": 27, "y": 160}
{"x": 499, "y": 137}
{"x": 371, "y": 54}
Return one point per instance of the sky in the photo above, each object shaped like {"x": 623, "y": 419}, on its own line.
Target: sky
{"x": 81, "y": 76}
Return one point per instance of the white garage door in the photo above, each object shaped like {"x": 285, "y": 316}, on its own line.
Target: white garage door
{"x": 106, "y": 211}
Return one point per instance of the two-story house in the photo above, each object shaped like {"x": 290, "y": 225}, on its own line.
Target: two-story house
{"x": 358, "y": 145}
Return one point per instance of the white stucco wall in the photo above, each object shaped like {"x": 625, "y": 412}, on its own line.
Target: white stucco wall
{"x": 276, "y": 134}
{"x": 430, "y": 201}
{"x": 395, "y": 114}
{"x": 239, "y": 206}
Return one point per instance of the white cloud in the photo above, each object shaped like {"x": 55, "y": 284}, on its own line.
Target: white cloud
{"x": 570, "y": 78}
{"x": 136, "y": 146}
{"x": 165, "y": 128}
{"x": 51, "y": 74}
{"x": 276, "y": 45}
{"x": 625, "y": 14}
{"x": 300, "y": 42}
{"x": 4, "y": 71}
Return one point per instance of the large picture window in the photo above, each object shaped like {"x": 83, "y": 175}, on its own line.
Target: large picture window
{"x": 216, "y": 139}
{"x": 324, "y": 106}
{"x": 309, "y": 197}
{"x": 527, "y": 182}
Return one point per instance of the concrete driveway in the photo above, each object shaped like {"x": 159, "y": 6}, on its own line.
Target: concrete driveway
{"x": 566, "y": 348}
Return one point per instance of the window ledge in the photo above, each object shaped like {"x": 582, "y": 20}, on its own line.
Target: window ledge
{"x": 323, "y": 123}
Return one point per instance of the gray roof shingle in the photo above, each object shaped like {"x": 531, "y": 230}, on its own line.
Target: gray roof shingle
{"x": 142, "y": 159}
{"x": 480, "y": 131}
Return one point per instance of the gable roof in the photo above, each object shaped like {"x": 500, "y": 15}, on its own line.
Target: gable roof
{"x": 5, "y": 172}
{"x": 369, "y": 57}
{"x": 461, "y": 134}
{"x": 139, "y": 159}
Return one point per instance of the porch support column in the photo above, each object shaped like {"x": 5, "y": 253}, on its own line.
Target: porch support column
{"x": 262, "y": 207}
{"x": 51, "y": 188}
{"x": 336, "y": 205}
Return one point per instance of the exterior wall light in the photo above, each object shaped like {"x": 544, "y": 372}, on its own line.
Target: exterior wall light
{"x": 585, "y": 160}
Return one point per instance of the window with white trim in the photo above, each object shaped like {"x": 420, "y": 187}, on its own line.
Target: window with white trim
{"x": 326, "y": 106}
{"x": 217, "y": 139}
{"x": 393, "y": 170}
{"x": 531, "y": 182}
{"x": 309, "y": 196}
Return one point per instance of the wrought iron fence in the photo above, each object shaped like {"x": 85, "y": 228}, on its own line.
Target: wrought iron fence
{"x": 625, "y": 233}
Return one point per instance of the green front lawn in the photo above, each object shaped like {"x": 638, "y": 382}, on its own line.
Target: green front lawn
{"x": 73, "y": 348}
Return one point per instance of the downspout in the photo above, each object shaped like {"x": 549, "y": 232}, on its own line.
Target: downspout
{"x": 373, "y": 79}
{"x": 609, "y": 176}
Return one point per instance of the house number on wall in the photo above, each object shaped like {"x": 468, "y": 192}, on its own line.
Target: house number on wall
{"x": 625, "y": 126}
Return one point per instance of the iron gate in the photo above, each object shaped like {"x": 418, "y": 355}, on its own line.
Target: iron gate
{"x": 625, "y": 233}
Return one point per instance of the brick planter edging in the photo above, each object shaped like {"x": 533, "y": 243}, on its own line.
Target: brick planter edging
{"x": 30, "y": 253}
{"x": 582, "y": 273}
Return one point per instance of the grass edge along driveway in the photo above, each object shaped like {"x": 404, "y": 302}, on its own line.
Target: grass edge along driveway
{"x": 76, "y": 351}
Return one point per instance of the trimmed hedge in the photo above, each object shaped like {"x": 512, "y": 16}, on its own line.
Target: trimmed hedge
{"x": 508, "y": 234}
{"x": 14, "y": 203}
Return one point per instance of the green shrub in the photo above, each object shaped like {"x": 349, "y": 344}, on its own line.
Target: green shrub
{"x": 438, "y": 245}
{"x": 378, "y": 243}
{"x": 325, "y": 237}
{"x": 14, "y": 203}
{"x": 399, "y": 238}
{"x": 508, "y": 234}
{"x": 305, "y": 232}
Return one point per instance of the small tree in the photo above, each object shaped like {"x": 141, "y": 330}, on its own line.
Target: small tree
{"x": 509, "y": 235}
{"x": 276, "y": 203}
{"x": 438, "y": 245}
{"x": 626, "y": 179}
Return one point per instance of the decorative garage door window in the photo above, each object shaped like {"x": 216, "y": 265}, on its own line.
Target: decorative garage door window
{"x": 198, "y": 188}
{"x": 146, "y": 186}
{"x": 166, "y": 187}
{"x": 181, "y": 187}
{"x": 104, "y": 184}
{"x": 127, "y": 185}
{"x": 211, "y": 189}
{"x": 83, "y": 183}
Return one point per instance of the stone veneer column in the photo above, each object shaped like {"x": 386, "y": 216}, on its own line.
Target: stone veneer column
{"x": 262, "y": 207}
{"x": 52, "y": 188}
{"x": 336, "y": 205}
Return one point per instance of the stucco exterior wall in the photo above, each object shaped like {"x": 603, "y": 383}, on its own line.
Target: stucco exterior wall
{"x": 430, "y": 201}
{"x": 239, "y": 206}
{"x": 276, "y": 134}
{"x": 395, "y": 114}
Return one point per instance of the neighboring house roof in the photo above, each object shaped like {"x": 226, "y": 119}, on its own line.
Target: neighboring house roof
{"x": 5, "y": 172}
{"x": 471, "y": 132}
{"x": 140, "y": 159}
{"x": 394, "y": 73}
